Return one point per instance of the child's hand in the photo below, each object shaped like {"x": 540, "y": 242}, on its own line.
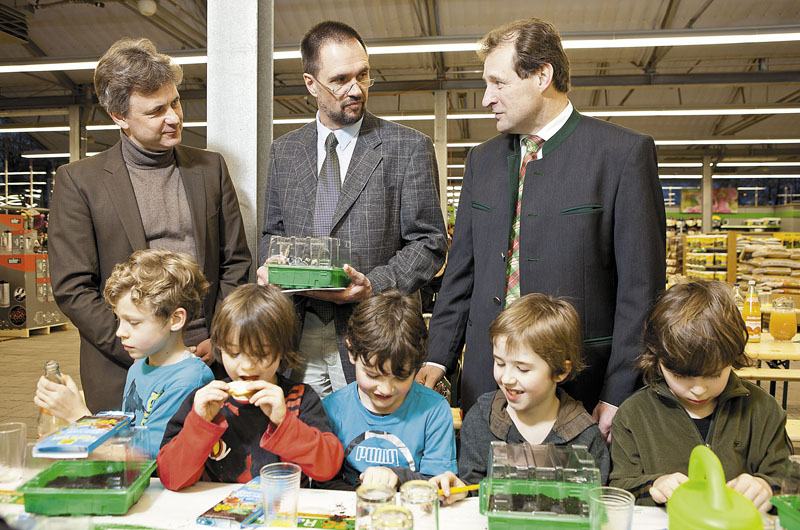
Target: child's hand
{"x": 62, "y": 401}
{"x": 663, "y": 486}
{"x": 269, "y": 398}
{"x": 754, "y": 488}
{"x": 379, "y": 475}
{"x": 444, "y": 482}
{"x": 209, "y": 399}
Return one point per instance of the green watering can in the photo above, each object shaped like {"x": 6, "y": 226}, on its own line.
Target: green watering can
{"x": 704, "y": 502}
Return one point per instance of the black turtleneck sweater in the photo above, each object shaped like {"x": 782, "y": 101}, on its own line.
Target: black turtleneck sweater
{"x": 164, "y": 209}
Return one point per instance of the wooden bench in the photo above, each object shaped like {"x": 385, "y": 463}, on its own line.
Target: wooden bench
{"x": 793, "y": 430}
{"x": 771, "y": 374}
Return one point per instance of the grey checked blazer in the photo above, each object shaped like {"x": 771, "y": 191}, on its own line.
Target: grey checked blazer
{"x": 388, "y": 207}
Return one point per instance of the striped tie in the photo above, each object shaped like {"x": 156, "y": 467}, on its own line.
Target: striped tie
{"x": 532, "y": 146}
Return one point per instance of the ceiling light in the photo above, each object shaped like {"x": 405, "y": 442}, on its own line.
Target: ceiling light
{"x": 63, "y": 66}
{"x": 147, "y": 8}
{"x": 686, "y": 40}
{"x": 728, "y": 111}
{"x": 680, "y": 164}
{"x": 8, "y": 129}
{"x": 23, "y": 173}
{"x": 456, "y": 166}
{"x": 760, "y": 176}
{"x": 679, "y": 177}
{"x": 730, "y": 141}
{"x": 54, "y": 155}
{"x": 463, "y": 144}
{"x": 758, "y": 164}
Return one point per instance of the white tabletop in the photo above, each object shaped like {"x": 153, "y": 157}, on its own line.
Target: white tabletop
{"x": 161, "y": 508}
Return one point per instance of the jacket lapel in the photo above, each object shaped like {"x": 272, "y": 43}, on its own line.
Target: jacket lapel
{"x": 366, "y": 157}
{"x": 306, "y": 161}
{"x": 119, "y": 188}
{"x": 194, "y": 185}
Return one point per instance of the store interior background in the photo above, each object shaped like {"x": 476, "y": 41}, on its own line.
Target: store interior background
{"x": 723, "y": 115}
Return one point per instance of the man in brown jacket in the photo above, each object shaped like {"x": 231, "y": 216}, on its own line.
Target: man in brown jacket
{"x": 147, "y": 191}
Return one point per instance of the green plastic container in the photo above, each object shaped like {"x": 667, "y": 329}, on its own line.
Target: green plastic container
{"x": 704, "y": 502}
{"x": 788, "y": 510}
{"x": 294, "y": 277}
{"x": 542, "y": 486}
{"x": 101, "y": 501}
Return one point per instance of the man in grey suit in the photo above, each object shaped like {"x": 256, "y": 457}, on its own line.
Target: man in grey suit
{"x": 355, "y": 177}
{"x": 146, "y": 191}
{"x": 589, "y": 225}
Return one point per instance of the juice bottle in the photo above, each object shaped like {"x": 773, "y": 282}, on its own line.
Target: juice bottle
{"x": 47, "y": 422}
{"x": 752, "y": 314}
{"x": 738, "y": 299}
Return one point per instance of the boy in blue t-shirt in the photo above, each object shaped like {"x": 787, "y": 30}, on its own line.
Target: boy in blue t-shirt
{"x": 155, "y": 294}
{"x": 392, "y": 428}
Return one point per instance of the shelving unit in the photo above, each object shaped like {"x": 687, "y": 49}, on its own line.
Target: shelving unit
{"x": 675, "y": 254}
{"x": 710, "y": 256}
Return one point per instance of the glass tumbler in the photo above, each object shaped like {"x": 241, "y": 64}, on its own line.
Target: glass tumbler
{"x": 392, "y": 517}
{"x": 280, "y": 486}
{"x": 369, "y": 498}
{"x": 422, "y": 499}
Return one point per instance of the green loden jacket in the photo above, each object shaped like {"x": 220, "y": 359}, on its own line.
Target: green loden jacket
{"x": 653, "y": 435}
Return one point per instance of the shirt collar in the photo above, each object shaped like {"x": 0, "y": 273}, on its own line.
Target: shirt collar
{"x": 549, "y": 130}
{"x": 344, "y": 136}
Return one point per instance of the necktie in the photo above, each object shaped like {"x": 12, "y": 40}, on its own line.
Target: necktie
{"x": 328, "y": 185}
{"x": 532, "y": 146}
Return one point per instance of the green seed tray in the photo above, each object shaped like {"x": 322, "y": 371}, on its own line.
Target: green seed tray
{"x": 292, "y": 277}
{"x": 510, "y": 504}
{"x": 788, "y": 510}
{"x": 100, "y": 501}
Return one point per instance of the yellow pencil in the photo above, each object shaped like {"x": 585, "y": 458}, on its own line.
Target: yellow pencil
{"x": 460, "y": 489}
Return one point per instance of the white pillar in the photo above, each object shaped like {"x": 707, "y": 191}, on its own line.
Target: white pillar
{"x": 440, "y": 144}
{"x": 77, "y": 130}
{"x": 239, "y": 101}
{"x": 707, "y": 190}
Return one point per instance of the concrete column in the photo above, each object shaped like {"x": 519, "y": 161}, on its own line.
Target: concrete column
{"x": 440, "y": 143}
{"x": 707, "y": 190}
{"x": 239, "y": 101}
{"x": 77, "y": 131}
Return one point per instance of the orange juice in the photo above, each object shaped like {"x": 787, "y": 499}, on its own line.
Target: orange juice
{"x": 752, "y": 314}
{"x": 782, "y": 325}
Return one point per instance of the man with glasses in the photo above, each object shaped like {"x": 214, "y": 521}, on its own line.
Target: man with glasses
{"x": 358, "y": 178}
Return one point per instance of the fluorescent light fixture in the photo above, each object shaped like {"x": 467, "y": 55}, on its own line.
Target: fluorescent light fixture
{"x": 758, "y": 164}
{"x": 691, "y": 112}
{"x": 463, "y": 144}
{"x": 680, "y": 164}
{"x": 751, "y": 188}
{"x": 54, "y": 155}
{"x": 23, "y": 183}
{"x": 23, "y": 173}
{"x": 680, "y": 177}
{"x": 730, "y": 141}
{"x": 38, "y": 128}
{"x": 696, "y": 39}
{"x": 455, "y": 178}
{"x": 740, "y": 177}
{"x": 471, "y": 116}
{"x": 408, "y": 117}
{"x": 63, "y": 66}
{"x": 289, "y": 121}
{"x": 456, "y": 166}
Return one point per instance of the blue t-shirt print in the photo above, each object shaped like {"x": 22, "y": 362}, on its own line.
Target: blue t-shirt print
{"x": 379, "y": 448}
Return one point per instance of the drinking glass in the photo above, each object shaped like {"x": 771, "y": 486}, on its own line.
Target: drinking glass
{"x": 12, "y": 453}
{"x": 369, "y": 498}
{"x": 610, "y": 508}
{"x": 391, "y": 517}
{"x": 280, "y": 486}
{"x": 422, "y": 499}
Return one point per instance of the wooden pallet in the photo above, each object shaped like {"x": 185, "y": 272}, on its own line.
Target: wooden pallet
{"x": 38, "y": 330}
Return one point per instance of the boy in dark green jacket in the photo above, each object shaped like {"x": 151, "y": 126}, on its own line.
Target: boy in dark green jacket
{"x": 693, "y": 340}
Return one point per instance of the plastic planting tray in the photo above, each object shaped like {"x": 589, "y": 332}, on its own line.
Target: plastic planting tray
{"x": 308, "y": 262}
{"x": 788, "y": 510}
{"x": 87, "y": 487}
{"x": 538, "y": 484}
{"x": 289, "y": 277}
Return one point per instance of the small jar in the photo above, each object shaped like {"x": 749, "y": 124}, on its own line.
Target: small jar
{"x": 391, "y": 517}
{"x": 422, "y": 499}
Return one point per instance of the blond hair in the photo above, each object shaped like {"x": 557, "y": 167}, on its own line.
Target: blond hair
{"x": 548, "y": 326}
{"x": 260, "y": 322}
{"x": 132, "y": 65}
{"x": 165, "y": 280}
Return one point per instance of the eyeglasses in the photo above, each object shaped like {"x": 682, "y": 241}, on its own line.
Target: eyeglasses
{"x": 340, "y": 90}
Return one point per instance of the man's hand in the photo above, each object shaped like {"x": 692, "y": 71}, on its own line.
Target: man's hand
{"x": 262, "y": 275}
{"x": 429, "y": 375}
{"x": 379, "y": 475}
{"x": 359, "y": 289}
{"x": 663, "y": 486}
{"x": 62, "y": 401}
{"x": 203, "y": 350}
{"x": 209, "y": 399}
{"x": 444, "y": 482}
{"x": 754, "y": 488}
{"x": 269, "y": 398}
{"x": 603, "y": 414}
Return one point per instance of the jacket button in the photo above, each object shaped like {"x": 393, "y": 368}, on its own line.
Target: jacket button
{"x": 496, "y": 300}
{"x": 503, "y": 256}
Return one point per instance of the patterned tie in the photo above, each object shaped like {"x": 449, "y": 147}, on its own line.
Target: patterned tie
{"x": 532, "y": 146}
{"x": 328, "y": 186}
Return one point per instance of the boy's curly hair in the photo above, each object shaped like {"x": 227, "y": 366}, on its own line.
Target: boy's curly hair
{"x": 165, "y": 280}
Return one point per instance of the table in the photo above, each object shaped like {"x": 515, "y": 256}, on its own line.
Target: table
{"x": 777, "y": 355}
{"x": 161, "y": 508}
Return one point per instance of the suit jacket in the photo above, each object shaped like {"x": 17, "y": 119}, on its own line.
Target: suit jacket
{"x": 95, "y": 224}
{"x": 388, "y": 207}
{"x": 592, "y": 230}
